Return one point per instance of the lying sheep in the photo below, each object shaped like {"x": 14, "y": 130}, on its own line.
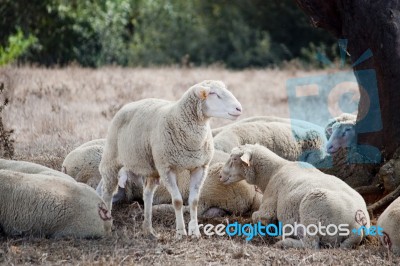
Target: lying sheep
{"x": 288, "y": 141}
{"x": 389, "y": 221}
{"x": 156, "y": 138}
{"x": 294, "y": 122}
{"x": 83, "y": 165}
{"x": 83, "y": 162}
{"x": 341, "y": 133}
{"x": 345, "y": 117}
{"x": 50, "y": 206}
{"x": 298, "y": 193}
{"x": 343, "y": 136}
{"x": 31, "y": 168}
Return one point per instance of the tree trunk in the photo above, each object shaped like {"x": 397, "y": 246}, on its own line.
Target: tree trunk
{"x": 373, "y": 25}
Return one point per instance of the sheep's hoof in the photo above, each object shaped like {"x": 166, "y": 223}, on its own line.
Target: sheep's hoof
{"x": 150, "y": 233}
{"x": 180, "y": 233}
{"x": 194, "y": 230}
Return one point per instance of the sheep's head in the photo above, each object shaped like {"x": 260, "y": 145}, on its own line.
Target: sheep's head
{"x": 218, "y": 101}
{"x": 343, "y": 135}
{"x": 237, "y": 167}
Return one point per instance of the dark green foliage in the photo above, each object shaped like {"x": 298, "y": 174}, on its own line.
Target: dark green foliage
{"x": 236, "y": 33}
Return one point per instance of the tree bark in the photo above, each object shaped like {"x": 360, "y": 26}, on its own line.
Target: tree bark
{"x": 367, "y": 25}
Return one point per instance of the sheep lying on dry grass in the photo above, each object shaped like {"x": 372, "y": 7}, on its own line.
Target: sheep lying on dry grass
{"x": 297, "y": 192}
{"x": 46, "y": 205}
{"x": 288, "y": 141}
{"x": 295, "y": 122}
{"x": 341, "y": 132}
{"x": 83, "y": 162}
{"x": 389, "y": 221}
{"x": 343, "y": 118}
{"x": 156, "y": 138}
{"x": 30, "y": 168}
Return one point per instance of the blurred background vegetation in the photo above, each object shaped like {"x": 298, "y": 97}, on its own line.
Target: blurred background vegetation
{"x": 233, "y": 33}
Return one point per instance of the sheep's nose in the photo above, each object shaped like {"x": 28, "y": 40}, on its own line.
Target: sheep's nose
{"x": 220, "y": 176}
{"x": 239, "y": 109}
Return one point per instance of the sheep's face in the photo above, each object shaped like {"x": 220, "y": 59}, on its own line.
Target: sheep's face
{"x": 218, "y": 101}
{"x": 343, "y": 136}
{"x": 234, "y": 169}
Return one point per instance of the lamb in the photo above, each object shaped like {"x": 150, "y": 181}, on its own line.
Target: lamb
{"x": 289, "y": 141}
{"x": 83, "y": 162}
{"x": 156, "y": 138}
{"x": 389, "y": 222}
{"x": 298, "y": 193}
{"x": 30, "y": 206}
{"x": 31, "y": 168}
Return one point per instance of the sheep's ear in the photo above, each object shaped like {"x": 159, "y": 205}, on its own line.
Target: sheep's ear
{"x": 329, "y": 130}
{"x": 246, "y": 158}
{"x": 202, "y": 92}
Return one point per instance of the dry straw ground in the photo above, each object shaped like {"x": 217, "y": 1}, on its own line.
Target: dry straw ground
{"x": 54, "y": 110}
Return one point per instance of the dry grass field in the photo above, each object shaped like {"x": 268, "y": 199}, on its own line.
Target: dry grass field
{"x": 52, "y": 111}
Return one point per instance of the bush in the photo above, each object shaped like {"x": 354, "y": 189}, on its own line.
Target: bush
{"x": 239, "y": 34}
{"x": 17, "y": 46}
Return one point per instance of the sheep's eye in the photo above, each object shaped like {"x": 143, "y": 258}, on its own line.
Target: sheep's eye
{"x": 214, "y": 93}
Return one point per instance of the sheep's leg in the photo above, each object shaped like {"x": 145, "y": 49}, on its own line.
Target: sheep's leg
{"x": 99, "y": 189}
{"x": 122, "y": 177}
{"x": 120, "y": 195}
{"x": 151, "y": 184}
{"x": 110, "y": 183}
{"x": 171, "y": 185}
{"x": 266, "y": 212}
{"x": 196, "y": 182}
{"x": 121, "y": 189}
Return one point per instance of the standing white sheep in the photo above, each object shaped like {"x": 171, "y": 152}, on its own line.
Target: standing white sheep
{"x": 45, "y": 205}
{"x": 216, "y": 199}
{"x": 156, "y": 138}
{"x": 298, "y": 193}
{"x": 389, "y": 222}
